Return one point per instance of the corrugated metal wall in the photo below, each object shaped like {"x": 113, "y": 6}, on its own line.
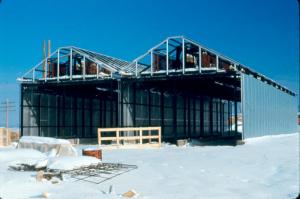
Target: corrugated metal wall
{"x": 266, "y": 110}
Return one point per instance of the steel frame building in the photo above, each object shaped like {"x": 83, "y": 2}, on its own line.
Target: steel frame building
{"x": 189, "y": 90}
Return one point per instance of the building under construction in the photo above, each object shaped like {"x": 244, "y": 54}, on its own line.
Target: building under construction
{"x": 189, "y": 90}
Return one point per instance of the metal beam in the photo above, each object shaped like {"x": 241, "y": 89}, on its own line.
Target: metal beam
{"x": 151, "y": 72}
{"x": 83, "y": 68}
{"x": 194, "y": 116}
{"x": 46, "y": 69}
{"x": 57, "y": 116}
{"x": 200, "y": 59}
{"x": 71, "y": 64}
{"x": 183, "y": 56}
{"x": 21, "y": 110}
{"x": 201, "y": 117}
{"x": 58, "y": 65}
{"x": 174, "y": 101}
{"x": 136, "y": 66}
{"x": 211, "y": 116}
{"x": 39, "y": 114}
{"x": 217, "y": 62}
{"x": 97, "y": 75}
{"x": 149, "y": 107}
{"x": 189, "y": 115}
{"x": 167, "y": 57}
{"x": 162, "y": 114}
{"x": 82, "y": 118}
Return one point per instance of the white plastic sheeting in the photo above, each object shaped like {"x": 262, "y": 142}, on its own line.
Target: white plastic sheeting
{"x": 46, "y": 144}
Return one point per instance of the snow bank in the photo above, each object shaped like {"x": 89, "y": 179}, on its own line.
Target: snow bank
{"x": 69, "y": 163}
{"x": 46, "y": 144}
{"x": 17, "y": 156}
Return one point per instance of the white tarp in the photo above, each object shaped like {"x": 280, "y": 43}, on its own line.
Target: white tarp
{"x": 46, "y": 144}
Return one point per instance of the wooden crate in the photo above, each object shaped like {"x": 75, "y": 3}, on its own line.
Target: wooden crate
{"x": 4, "y": 137}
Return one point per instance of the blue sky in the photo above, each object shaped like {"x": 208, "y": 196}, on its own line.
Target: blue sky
{"x": 260, "y": 34}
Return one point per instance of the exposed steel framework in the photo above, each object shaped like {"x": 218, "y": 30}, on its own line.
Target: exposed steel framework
{"x": 166, "y": 58}
{"x": 187, "y": 89}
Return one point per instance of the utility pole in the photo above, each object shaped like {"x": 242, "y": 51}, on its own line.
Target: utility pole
{"x": 7, "y": 107}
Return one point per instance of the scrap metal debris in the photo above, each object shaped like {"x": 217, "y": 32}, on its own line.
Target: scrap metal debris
{"x": 99, "y": 173}
{"x": 93, "y": 173}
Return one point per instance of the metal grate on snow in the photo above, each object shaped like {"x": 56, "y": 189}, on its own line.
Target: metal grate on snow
{"x": 98, "y": 173}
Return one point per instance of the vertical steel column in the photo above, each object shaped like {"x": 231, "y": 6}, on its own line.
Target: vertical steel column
{"x": 175, "y": 116}
{"x": 75, "y": 117}
{"x": 201, "y": 117}
{"x": 58, "y": 65}
{"x": 97, "y": 71}
{"x": 200, "y": 59}
{"x": 217, "y": 115}
{"x": 183, "y": 55}
{"x": 189, "y": 115}
{"x": 111, "y": 105}
{"x": 33, "y": 75}
{"x": 39, "y": 114}
{"x": 71, "y": 64}
{"x": 211, "y": 116}
{"x": 222, "y": 117}
{"x": 119, "y": 102}
{"x": 83, "y": 68}
{"x": 21, "y": 110}
{"x": 122, "y": 108}
{"x": 64, "y": 112}
{"x": 134, "y": 104}
{"x": 57, "y": 116}
{"x": 104, "y": 111}
{"x": 217, "y": 62}
{"x": 167, "y": 56}
{"x": 151, "y": 72}
{"x": 235, "y": 108}
{"x": 91, "y": 116}
{"x": 235, "y": 116}
{"x": 100, "y": 112}
{"x": 162, "y": 114}
{"x": 229, "y": 117}
{"x": 136, "y": 66}
{"x": 194, "y": 116}
{"x": 82, "y": 118}
{"x": 184, "y": 116}
{"x": 116, "y": 112}
{"x": 46, "y": 69}
{"x": 149, "y": 107}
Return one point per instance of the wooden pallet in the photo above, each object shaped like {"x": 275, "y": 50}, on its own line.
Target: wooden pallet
{"x": 134, "y": 136}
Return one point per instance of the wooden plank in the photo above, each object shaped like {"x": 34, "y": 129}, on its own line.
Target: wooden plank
{"x": 141, "y": 137}
{"x": 129, "y": 129}
{"x": 129, "y": 138}
{"x": 109, "y": 138}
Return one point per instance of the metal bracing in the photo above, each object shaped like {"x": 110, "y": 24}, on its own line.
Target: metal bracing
{"x": 71, "y": 64}
{"x": 151, "y": 63}
{"x": 183, "y": 56}
{"x": 181, "y": 40}
{"x": 112, "y": 65}
{"x": 167, "y": 57}
{"x": 58, "y": 68}
{"x": 107, "y": 67}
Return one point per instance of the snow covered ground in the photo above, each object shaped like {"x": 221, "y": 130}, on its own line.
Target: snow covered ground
{"x": 266, "y": 167}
